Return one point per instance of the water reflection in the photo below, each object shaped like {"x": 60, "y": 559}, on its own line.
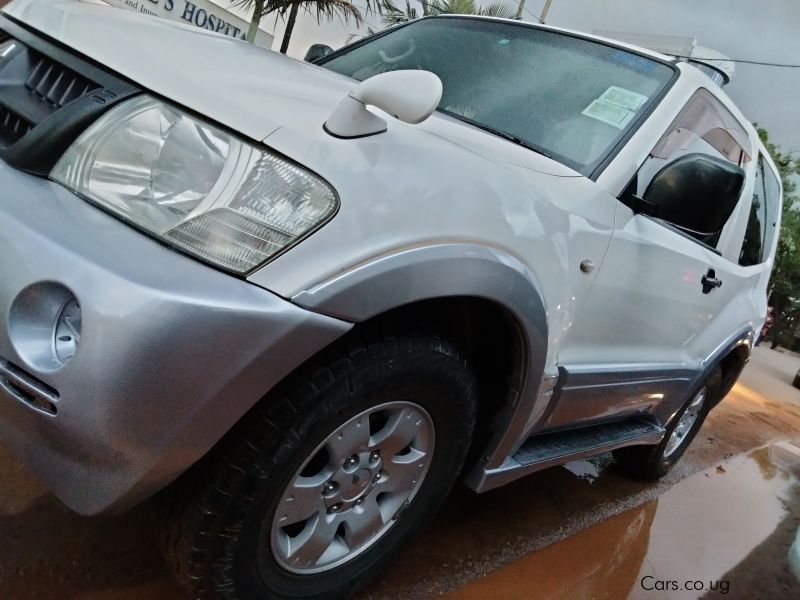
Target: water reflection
{"x": 719, "y": 532}
{"x": 602, "y": 562}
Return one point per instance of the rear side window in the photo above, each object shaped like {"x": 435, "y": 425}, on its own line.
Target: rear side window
{"x": 753, "y": 245}
{"x": 762, "y": 222}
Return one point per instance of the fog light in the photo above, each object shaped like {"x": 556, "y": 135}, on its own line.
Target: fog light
{"x": 44, "y": 325}
{"x": 67, "y": 331}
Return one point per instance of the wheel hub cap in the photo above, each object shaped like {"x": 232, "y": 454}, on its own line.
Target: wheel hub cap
{"x": 359, "y": 483}
{"x": 352, "y": 488}
{"x": 685, "y": 423}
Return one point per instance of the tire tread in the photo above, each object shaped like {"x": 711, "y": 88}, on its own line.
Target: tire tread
{"x": 224, "y": 482}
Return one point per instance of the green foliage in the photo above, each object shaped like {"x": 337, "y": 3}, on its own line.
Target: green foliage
{"x": 321, "y": 9}
{"x": 448, "y": 7}
{"x": 785, "y": 281}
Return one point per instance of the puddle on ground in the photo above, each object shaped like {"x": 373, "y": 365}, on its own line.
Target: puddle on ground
{"x": 724, "y": 531}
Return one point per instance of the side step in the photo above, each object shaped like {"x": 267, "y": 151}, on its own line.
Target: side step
{"x": 549, "y": 449}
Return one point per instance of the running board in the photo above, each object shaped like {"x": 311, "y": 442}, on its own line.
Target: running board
{"x": 549, "y": 449}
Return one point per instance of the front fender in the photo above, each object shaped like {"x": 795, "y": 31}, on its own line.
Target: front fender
{"x": 448, "y": 270}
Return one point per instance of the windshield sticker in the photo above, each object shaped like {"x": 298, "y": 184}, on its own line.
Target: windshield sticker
{"x": 616, "y": 106}
{"x": 624, "y": 98}
{"x": 611, "y": 114}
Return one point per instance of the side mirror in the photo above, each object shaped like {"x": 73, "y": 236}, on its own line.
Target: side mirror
{"x": 410, "y": 96}
{"x": 696, "y": 192}
{"x": 317, "y": 51}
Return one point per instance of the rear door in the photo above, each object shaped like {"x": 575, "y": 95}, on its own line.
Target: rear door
{"x": 747, "y": 253}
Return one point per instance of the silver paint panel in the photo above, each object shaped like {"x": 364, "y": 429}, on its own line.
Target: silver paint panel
{"x": 172, "y": 352}
{"x": 448, "y": 270}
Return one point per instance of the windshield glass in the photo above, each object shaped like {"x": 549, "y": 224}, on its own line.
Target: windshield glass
{"x": 570, "y": 98}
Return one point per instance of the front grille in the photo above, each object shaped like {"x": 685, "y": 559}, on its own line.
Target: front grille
{"x": 48, "y": 96}
{"x": 33, "y": 87}
{"x": 55, "y": 84}
{"x": 12, "y": 127}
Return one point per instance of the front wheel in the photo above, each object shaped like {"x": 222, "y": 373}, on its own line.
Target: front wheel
{"x": 653, "y": 462}
{"x": 315, "y": 490}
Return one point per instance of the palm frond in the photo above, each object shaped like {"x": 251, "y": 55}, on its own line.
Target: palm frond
{"x": 328, "y": 9}
{"x": 359, "y": 36}
{"x": 343, "y": 8}
{"x": 499, "y": 9}
{"x": 426, "y": 7}
{"x": 397, "y": 16}
{"x": 380, "y": 7}
{"x": 468, "y": 7}
{"x": 251, "y": 5}
{"x": 453, "y": 7}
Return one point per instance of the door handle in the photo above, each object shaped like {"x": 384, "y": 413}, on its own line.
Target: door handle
{"x": 710, "y": 281}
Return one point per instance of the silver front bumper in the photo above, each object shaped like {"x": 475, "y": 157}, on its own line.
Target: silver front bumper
{"x": 171, "y": 353}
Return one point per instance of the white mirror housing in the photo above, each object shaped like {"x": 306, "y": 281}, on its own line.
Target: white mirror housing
{"x": 410, "y": 96}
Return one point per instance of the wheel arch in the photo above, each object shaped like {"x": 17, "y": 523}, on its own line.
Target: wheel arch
{"x": 458, "y": 288}
{"x": 730, "y": 358}
{"x": 731, "y": 366}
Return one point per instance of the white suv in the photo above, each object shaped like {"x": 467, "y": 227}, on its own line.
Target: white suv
{"x": 220, "y": 269}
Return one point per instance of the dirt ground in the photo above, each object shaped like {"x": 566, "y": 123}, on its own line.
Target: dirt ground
{"x": 727, "y": 513}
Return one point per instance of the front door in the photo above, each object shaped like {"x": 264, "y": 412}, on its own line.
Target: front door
{"x": 660, "y": 303}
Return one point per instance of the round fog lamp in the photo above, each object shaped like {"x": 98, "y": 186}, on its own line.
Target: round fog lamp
{"x": 67, "y": 331}
{"x": 44, "y": 325}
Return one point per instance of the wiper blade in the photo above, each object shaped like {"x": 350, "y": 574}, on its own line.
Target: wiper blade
{"x": 500, "y": 133}
{"x": 516, "y": 140}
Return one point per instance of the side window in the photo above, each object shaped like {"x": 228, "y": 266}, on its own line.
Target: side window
{"x": 755, "y": 233}
{"x": 773, "y": 188}
{"x": 704, "y": 126}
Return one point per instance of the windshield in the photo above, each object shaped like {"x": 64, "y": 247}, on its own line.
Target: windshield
{"x": 569, "y": 98}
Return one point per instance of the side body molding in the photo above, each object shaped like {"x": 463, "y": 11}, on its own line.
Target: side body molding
{"x": 448, "y": 270}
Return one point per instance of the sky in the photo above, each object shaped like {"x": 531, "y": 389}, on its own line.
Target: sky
{"x": 768, "y": 31}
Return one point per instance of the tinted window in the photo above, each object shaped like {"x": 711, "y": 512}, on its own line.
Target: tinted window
{"x": 762, "y": 223}
{"x": 570, "y": 98}
{"x": 753, "y": 245}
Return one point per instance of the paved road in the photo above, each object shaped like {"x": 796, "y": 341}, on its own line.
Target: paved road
{"x": 771, "y": 373}
{"x": 587, "y": 531}
{"x": 728, "y": 513}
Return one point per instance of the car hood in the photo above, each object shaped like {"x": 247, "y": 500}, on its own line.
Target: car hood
{"x": 246, "y": 88}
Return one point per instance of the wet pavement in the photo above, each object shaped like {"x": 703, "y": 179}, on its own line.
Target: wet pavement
{"x": 724, "y": 518}
{"x": 691, "y": 540}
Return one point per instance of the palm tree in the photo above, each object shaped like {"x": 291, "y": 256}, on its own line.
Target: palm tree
{"x": 328, "y": 9}
{"x": 448, "y": 7}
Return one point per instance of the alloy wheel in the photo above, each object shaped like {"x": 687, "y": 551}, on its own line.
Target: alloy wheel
{"x": 352, "y": 488}
{"x": 685, "y": 422}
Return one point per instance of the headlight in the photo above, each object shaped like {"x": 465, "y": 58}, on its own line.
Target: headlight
{"x": 194, "y": 185}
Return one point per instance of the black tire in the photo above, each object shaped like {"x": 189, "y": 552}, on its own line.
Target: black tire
{"x": 217, "y": 536}
{"x": 649, "y": 463}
